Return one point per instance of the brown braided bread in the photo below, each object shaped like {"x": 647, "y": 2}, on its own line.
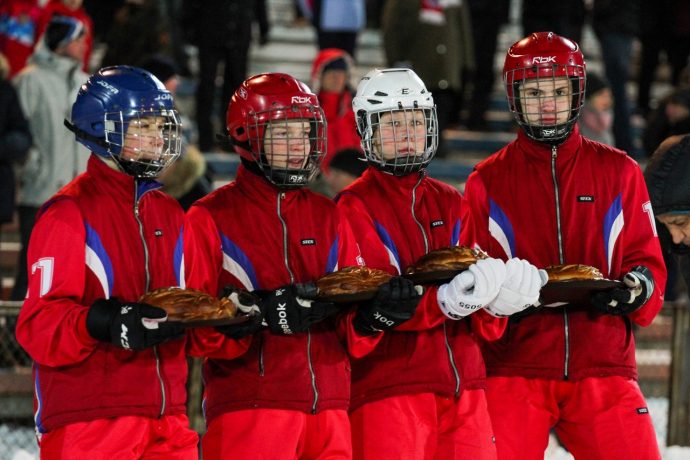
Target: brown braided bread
{"x": 572, "y": 272}
{"x": 352, "y": 280}
{"x": 187, "y": 305}
{"x": 445, "y": 259}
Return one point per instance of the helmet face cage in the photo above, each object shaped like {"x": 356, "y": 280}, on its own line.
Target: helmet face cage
{"x": 143, "y": 142}
{"x": 396, "y": 120}
{"x": 400, "y": 141}
{"x": 546, "y": 89}
{"x": 288, "y": 143}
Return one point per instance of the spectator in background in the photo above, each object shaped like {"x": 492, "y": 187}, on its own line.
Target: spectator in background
{"x": 668, "y": 181}
{"x": 346, "y": 166}
{"x": 330, "y": 80}
{"x": 18, "y": 23}
{"x": 597, "y": 114}
{"x": 15, "y": 140}
{"x": 435, "y": 41}
{"x": 673, "y": 38}
{"x": 616, "y": 23}
{"x": 671, "y": 117}
{"x": 337, "y": 22}
{"x": 138, "y": 31}
{"x": 73, "y": 9}
{"x": 487, "y": 16}
{"x": 564, "y": 17}
{"x": 185, "y": 180}
{"x": 46, "y": 89}
{"x": 221, "y": 29}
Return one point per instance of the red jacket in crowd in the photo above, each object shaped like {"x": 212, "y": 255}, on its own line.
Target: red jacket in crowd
{"x": 342, "y": 129}
{"x": 397, "y": 220}
{"x": 599, "y": 211}
{"x": 252, "y": 235}
{"x": 104, "y": 235}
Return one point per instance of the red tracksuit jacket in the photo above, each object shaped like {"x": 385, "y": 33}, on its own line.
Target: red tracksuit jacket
{"x": 396, "y": 220}
{"x": 103, "y": 235}
{"x": 251, "y": 235}
{"x": 580, "y": 202}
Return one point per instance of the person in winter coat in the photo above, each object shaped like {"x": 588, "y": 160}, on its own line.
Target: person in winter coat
{"x": 287, "y": 396}
{"x": 15, "y": 140}
{"x": 70, "y": 9}
{"x": 424, "y": 381}
{"x": 46, "y": 88}
{"x": 110, "y": 372}
{"x": 669, "y": 191}
{"x": 554, "y": 197}
{"x": 330, "y": 76}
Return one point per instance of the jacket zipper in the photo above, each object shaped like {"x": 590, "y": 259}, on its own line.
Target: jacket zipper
{"x": 561, "y": 258}
{"x": 314, "y": 388}
{"x": 261, "y": 356}
{"x": 146, "y": 289}
{"x": 451, "y": 357}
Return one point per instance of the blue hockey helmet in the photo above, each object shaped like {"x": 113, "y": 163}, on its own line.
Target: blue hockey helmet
{"x": 116, "y": 97}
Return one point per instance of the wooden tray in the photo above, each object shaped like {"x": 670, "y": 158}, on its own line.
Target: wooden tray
{"x": 575, "y": 291}
{"x": 214, "y": 322}
{"x": 433, "y": 277}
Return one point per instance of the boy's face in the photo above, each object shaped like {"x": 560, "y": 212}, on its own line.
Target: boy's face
{"x": 546, "y": 101}
{"x": 144, "y": 139}
{"x": 287, "y": 143}
{"x": 678, "y": 225}
{"x": 400, "y": 133}
{"x": 334, "y": 81}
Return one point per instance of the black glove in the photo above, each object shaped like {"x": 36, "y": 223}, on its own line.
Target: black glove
{"x": 621, "y": 301}
{"x": 130, "y": 325}
{"x": 286, "y": 312}
{"x": 395, "y": 303}
{"x": 247, "y": 304}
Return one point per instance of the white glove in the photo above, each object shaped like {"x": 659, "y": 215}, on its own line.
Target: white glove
{"x": 472, "y": 289}
{"x": 520, "y": 289}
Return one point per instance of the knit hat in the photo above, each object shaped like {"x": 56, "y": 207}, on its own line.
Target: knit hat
{"x": 62, "y": 30}
{"x": 595, "y": 83}
{"x": 336, "y": 64}
{"x": 161, "y": 66}
{"x": 668, "y": 176}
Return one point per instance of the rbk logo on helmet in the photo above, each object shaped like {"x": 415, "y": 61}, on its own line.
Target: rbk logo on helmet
{"x": 543, "y": 59}
{"x": 301, "y": 99}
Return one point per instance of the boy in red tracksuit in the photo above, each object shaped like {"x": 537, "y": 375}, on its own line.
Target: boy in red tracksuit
{"x": 420, "y": 393}
{"x": 110, "y": 372}
{"x": 554, "y": 197}
{"x": 287, "y": 397}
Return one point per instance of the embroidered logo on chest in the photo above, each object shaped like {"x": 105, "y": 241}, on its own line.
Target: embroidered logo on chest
{"x": 308, "y": 242}
{"x": 585, "y": 198}
{"x": 158, "y": 232}
{"x": 437, "y": 223}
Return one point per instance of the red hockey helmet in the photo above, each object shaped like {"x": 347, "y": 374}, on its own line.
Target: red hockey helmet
{"x": 261, "y": 105}
{"x": 545, "y": 57}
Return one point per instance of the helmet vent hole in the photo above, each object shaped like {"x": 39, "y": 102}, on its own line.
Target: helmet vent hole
{"x": 380, "y": 93}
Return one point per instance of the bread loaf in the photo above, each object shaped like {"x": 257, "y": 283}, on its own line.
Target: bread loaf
{"x": 352, "y": 280}
{"x": 188, "y": 305}
{"x": 446, "y": 259}
{"x": 572, "y": 272}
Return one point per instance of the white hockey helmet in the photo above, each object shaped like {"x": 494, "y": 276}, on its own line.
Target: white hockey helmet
{"x": 399, "y": 93}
